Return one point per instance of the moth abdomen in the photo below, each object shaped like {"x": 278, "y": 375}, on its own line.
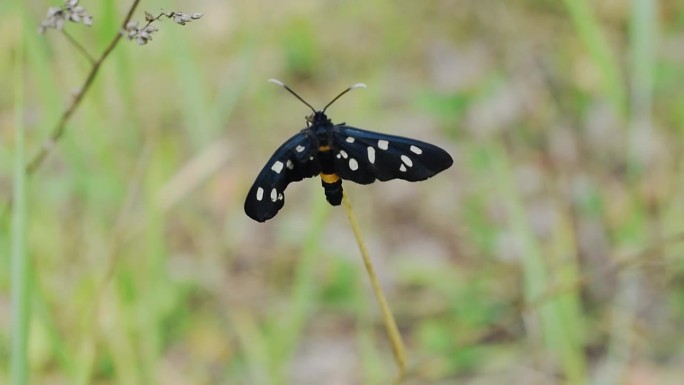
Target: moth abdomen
{"x": 332, "y": 184}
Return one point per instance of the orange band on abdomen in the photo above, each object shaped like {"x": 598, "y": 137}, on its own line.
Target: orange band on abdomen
{"x": 329, "y": 178}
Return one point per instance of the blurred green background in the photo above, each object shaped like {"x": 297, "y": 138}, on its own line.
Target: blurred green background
{"x": 548, "y": 254}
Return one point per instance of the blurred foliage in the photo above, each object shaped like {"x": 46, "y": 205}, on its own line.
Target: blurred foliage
{"x": 550, "y": 253}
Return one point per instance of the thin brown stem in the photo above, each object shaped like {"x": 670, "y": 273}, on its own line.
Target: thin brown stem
{"x": 159, "y": 16}
{"x": 390, "y": 325}
{"x": 79, "y": 47}
{"x": 57, "y": 132}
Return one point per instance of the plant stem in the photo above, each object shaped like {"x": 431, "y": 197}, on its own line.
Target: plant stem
{"x": 19, "y": 261}
{"x": 643, "y": 59}
{"x": 59, "y": 128}
{"x": 79, "y": 47}
{"x": 388, "y": 318}
{"x": 594, "y": 38}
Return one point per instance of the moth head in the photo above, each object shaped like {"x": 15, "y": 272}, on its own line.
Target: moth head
{"x": 310, "y": 119}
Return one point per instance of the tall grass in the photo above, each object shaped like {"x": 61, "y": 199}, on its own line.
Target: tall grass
{"x": 635, "y": 107}
{"x": 556, "y": 325}
{"x": 590, "y": 31}
{"x": 20, "y": 277}
{"x": 642, "y": 55}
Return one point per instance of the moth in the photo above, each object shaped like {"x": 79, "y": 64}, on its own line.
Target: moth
{"x": 337, "y": 152}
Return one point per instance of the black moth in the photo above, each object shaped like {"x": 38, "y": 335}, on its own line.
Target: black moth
{"x": 336, "y": 152}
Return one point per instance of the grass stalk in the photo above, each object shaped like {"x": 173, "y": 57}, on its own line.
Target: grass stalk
{"x": 553, "y": 324}
{"x": 57, "y": 132}
{"x": 596, "y": 42}
{"x": 643, "y": 43}
{"x": 79, "y": 47}
{"x": 60, "y": 127}
{"x": 643, "y": 40}
{"x": 19, "y": 262}
{"x": 255, "y": 347}
{"x": 388, "y": 318}
{"x": 372, "y": 369}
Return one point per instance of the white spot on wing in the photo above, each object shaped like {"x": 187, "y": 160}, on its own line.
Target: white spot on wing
{"x": 260, "y": 194}
{"x": 349, "y": 139}
{"x": 383, "y": 144}
{"x": 300, "y": 148}
{"x": 344, "y": 154}
{"x": 274, "y": 195}
{"x": 277, "y": 167}
{"x": 416, "y": 150}
{"x": 371, "y": 154}
{"x": 280, "y": 197}
{"x": 406, "y": 160}
{"x": 289, "y": 164}
{"x": 353, "y": 164}
{"x": 402, "y": 168}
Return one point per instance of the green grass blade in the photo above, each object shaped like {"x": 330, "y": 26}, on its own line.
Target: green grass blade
{"x": 255, "y": 347}
{"x": 559, "y": 318}
{"x": 643, "y": 43}
{"x": 373, "y": 371}
{"x": 20, "y": 265}
{"x": 597, "y": 43}
{"x": 643, "y": 31}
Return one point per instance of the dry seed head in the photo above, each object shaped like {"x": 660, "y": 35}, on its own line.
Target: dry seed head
{"x": 142, "y": 35}
{"x": 58, "y": 16}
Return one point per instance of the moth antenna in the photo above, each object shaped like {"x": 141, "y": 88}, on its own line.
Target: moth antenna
{"x": 357, "y": 85}
{"x": 278, "y": 82}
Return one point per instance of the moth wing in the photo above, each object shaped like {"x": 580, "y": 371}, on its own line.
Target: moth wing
{"x": 291, "y": 162}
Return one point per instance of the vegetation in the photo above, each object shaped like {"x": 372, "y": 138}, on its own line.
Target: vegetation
{"x": 550, "y": 253}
